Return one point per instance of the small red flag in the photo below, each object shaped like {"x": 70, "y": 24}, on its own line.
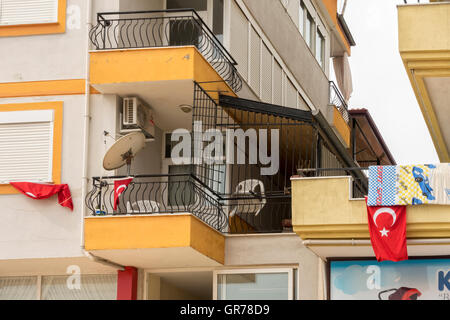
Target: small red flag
{"x": 387, "y": 227}
{"x": 119, "y": 187}
{"x": 43, "y": 191}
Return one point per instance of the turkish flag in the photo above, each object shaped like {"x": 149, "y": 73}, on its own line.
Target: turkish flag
{"x": 119, "y": 187}
{"x": 44, "y": 191}
{"x": 387, "y": 227}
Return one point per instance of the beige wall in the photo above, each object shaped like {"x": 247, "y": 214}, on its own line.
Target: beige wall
{"x": 285, "y": 37}
{"x": 160, "y": 289}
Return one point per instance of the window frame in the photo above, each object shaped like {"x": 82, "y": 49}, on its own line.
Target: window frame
{"x": 57, "y": 107}
{"x": 289, "y": 270}
{"x": 15, "y": 30}
{"x": 39, "y": 283}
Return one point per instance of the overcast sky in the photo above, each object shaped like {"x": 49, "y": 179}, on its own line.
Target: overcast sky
{"x": 380, "y": 82}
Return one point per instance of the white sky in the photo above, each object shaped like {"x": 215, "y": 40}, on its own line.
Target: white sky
{"x": 380, "y": 82}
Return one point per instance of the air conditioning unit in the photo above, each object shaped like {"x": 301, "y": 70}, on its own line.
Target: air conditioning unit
{"x": 137, "y": 116}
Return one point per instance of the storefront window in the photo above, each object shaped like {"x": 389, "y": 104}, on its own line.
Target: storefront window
{"x": 255, "y": 285}
{"x": 18, "y": 288}
{"x": 414, "y": 279}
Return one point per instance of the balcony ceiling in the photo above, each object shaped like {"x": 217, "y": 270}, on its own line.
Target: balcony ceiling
{"x": 162, "y": 77}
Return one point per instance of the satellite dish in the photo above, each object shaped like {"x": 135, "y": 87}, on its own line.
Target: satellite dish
{"x": 123, "y": 151}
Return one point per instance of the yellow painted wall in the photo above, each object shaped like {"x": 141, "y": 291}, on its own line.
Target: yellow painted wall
{"x": 331, "y": 6}
{"x": 155, "y": 64}
{"x": 322, "y": 209}
{"x": 424, "y": 27}
{"x": 341, "y": 126}
{"x": 424, "y": 46}
{"x": 156, "y": 231}
{"x": 43, "y": 88}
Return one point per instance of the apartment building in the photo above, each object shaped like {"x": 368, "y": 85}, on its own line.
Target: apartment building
{"x": 335, "y": 227}
{"x": 78, "y": 77}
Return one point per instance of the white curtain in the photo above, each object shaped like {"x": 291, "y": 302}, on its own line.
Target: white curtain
{"x": 92, "y": 287}
{"x": 18, "y": 288}
{"x": 343, "y": 75}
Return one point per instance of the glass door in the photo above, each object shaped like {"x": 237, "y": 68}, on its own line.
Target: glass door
{"x": 254, "y": 284}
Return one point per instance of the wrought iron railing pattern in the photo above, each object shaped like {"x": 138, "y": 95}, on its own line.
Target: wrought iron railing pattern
{"x": 157, "y": 194}
{"x": 338, "y": 100}
{"x": 164, "y": 28}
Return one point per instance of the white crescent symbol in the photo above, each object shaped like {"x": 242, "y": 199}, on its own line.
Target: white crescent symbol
{"x": 384, "y": 210}
{"x": 30, "y": 194}
{"x": 119, "y": 187}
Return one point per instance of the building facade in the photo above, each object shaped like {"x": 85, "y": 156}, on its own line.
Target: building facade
{"x": 79, "y": 76}
{"x": 334, "y": 225}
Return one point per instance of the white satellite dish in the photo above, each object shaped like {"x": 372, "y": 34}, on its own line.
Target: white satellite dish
{"x": 123, "y": 151}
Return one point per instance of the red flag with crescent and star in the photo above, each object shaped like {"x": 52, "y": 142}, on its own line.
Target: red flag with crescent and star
{"x": 119, "y": 187}
{"x": 387, "y": 227}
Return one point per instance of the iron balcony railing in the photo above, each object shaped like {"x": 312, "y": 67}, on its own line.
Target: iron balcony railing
{"x": 338, "y": 100}
{"x": 157, "y": 194}
{"x": 164, "y": 28}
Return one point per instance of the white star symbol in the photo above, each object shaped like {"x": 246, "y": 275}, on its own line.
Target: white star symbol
{"x": 384, "y": 232}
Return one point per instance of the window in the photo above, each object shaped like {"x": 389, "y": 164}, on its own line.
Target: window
{"x": 92, "y": 287}
{"x": 255, "y": 284}
{"x": 30, "y": 143}
{"x": 18, "y": 288}
{"x": 18, "y": 12}
{"x": 309, "y": 31}
{"x": 301, "y": 17}
{"x": 320, "y": 48}
{"x": 25, "y": 17}
{"x": 218, "y": 19}
{"x": 26, "y": 147}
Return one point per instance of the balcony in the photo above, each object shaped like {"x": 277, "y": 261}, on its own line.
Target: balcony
{"x": 160, "y": 52}
{"x": 338, "y": 115}
{"x": 331, "y": 218}
{"x": 157, "y": 194}
{"x": 161, "y": 221}
{"x": 425, "y": 51}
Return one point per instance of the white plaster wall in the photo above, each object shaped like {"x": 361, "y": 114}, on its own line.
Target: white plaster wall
{"x": 42, "y": 228}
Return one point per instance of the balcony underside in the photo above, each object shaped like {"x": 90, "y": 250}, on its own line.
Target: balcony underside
{"x": 162, "y": 77}
{"x": 154, "y": 241}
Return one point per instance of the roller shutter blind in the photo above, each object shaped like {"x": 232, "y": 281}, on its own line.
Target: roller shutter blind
{"x": 16, "y": 12}
{"x": 26, "y": 146}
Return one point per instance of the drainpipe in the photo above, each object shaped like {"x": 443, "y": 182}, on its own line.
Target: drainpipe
{"x": 86, "y": 123}
{"x": 104, "y": 261}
